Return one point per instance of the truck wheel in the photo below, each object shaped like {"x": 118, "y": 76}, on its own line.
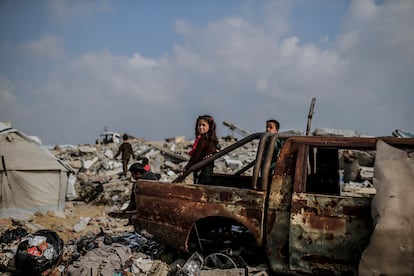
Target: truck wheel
{"x": 222, "y": 235}
{"x": 219, "y": 260}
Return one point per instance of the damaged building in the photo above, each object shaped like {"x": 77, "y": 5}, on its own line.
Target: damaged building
{"x": 319, "y": 220}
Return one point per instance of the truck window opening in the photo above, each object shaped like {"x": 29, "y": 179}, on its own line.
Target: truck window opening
{"x": 344, "y": 172}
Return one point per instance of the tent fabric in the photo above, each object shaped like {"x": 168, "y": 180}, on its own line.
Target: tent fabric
{"x": 21, "y": 153}
{"x": 391, "y": 248}
{"x": 31, "y": 178}
{"x": 19, "y": 192}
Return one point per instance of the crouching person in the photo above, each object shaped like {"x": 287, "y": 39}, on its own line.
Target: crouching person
{"x": 137, "y": 172}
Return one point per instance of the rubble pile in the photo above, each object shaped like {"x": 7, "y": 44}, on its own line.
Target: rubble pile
{"x": 96, "y": 162}
{"x": 95, "y": 244}
{"x": 100, "y": 187}
{"x": 99, "y": 176}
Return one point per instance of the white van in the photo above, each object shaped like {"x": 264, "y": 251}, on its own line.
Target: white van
{"x": 108, "y": 137}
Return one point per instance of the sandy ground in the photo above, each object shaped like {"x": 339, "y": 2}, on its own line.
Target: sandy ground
{"x": 63, "y": 222}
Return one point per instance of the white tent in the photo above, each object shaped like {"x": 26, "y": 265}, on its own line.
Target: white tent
{"x": 31, "y": 178}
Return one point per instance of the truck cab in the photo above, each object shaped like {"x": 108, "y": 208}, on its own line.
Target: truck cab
{"x": 300, "y": 217}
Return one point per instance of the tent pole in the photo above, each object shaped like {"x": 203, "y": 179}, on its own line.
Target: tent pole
{"x": 3, "y": 162}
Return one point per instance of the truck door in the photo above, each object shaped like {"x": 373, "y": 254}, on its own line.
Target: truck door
{"x": 328, "y": 231}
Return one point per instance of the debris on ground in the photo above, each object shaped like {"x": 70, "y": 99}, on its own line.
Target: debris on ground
{"x": 98, "y": 244}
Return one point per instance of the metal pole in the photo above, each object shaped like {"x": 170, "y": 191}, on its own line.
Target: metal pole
{"x": 310, "y": 114}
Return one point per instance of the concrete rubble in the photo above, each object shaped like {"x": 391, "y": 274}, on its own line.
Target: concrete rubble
{"x": 97, "y": 180}
{"x": 98, "y": 174}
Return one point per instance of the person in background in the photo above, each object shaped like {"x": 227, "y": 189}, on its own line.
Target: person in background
{"x": 272, "y": 126}
{"x": 137, "y": 172}
{"x": 145, "y": 163}
{"x": 205, "y": 145}
{"x": 126, "y": 150}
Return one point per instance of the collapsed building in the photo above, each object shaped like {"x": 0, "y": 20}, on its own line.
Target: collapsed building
{"x": 98, "y": 179}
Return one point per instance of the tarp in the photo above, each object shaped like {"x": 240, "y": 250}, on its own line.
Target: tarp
{"x": 31, "y": 178}
{"x": 391, "y": 248}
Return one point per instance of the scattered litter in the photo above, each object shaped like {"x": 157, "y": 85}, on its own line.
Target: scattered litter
{"x": 38, "y": 252}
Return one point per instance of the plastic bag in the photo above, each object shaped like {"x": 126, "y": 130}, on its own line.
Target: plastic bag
{"x": 12, "y": 235}
{"x": 38, "y": 252}
{"x": 193, "y": 265}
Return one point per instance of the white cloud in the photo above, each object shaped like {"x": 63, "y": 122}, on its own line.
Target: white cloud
{"x": 182, "y": 27}
{"x": 236, "y": 22}
{"x": 139, "y": 62}
{"x": 114, "y": 79}
{"x": 247, "y": 70}
{"x": 348, "y": 41}
{"x": 47, "y": 46}
{"x": 363, "y": 72}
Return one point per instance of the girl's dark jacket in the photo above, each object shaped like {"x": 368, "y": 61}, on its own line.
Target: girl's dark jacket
{"x": 204, "y": 149}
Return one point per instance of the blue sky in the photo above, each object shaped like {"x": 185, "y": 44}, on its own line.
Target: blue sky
{"x": 149, "y": 68}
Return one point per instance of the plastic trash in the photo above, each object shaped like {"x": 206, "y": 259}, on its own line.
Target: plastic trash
{"x": 39, "y": 252}
{"x": 193, "y": 265}
{"x": 36, "y": 240}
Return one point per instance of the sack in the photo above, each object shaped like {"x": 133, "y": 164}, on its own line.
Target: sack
{"x": 38, "y": 252}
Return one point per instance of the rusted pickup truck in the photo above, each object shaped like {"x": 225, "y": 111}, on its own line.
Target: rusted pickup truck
{"x": 298, "y": 217}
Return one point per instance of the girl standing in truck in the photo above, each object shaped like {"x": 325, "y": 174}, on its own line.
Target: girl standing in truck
{"x": 205, "y": 145}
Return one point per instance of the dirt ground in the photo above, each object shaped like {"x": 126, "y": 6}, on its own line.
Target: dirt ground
{"x": 74, "y": 213}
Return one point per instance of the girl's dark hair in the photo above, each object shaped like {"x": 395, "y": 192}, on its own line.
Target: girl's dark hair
{"x": 211, "y": 134}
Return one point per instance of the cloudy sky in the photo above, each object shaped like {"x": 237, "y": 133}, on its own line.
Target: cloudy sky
{"x": 149, "y": 68}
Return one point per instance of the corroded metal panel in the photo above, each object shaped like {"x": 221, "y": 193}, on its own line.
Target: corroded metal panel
{"x": 328, "y": 233}
{"x": 301, "y": 232}
{"x": 277, "y": 227}
{"x": 351, "y": 142}
{"x": 169, "y": 211}
{"x": 278, "y": 209}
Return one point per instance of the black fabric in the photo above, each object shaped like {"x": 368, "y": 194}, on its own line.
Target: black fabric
{"x": 150, "y": 176}
{"x": 12, "y": 235}
{"x": 205, "y": 176}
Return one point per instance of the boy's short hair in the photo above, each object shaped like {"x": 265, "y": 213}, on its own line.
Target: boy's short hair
{"x": 274, "y": 122}
{"x": 136, "y": 168}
